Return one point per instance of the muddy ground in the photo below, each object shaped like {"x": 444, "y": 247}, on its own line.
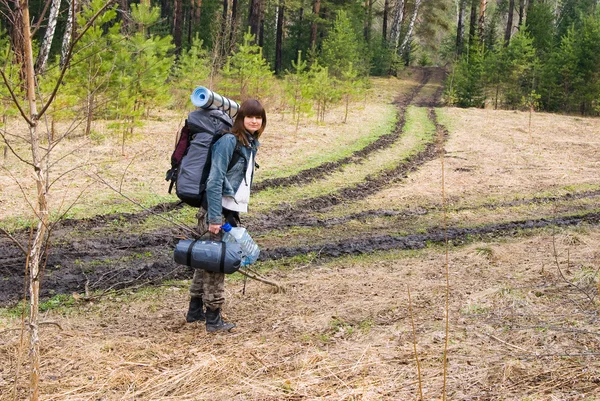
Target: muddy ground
{"x": 117, "y": 255}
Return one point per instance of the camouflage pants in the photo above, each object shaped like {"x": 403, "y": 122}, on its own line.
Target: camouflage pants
{"x": 207, "y": 285}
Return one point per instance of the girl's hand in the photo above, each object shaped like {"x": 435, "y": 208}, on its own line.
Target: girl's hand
{"x": 214, "y": 228}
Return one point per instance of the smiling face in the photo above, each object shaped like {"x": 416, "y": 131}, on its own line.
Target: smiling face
{"x": 252, "y": 123}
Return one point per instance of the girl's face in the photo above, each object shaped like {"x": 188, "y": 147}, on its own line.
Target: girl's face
{"x": 252, "y": 123}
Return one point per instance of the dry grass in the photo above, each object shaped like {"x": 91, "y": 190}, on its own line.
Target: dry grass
{"x": 341, "y": 332}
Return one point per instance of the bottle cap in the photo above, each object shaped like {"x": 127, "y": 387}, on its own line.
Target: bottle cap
{"x": 226, "y": 227}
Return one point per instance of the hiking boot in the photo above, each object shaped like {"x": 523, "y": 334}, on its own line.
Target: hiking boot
{"x": 196, "y": 311}
{"x": 214, "y": 321}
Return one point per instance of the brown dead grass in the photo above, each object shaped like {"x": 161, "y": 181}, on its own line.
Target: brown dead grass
{"x": 342, "y": 332}
{"x": 491, "y": 156}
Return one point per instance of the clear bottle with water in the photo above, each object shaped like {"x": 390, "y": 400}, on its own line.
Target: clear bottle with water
{"x": 250, "y": 250}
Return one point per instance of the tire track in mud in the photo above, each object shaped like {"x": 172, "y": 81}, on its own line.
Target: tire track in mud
{"x": 456, "y": 236}
{"x": 302, "y": 177}
{"x": 287, "y": 215}
{"x": 310, "y": 221}
{"x": 65, "y": 274}
{"x": 327, "y": 168}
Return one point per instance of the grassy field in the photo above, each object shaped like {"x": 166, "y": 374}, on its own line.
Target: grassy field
{"x": 477, "y": 237}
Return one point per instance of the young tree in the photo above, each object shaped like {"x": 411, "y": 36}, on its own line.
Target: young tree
{"x": 192, "y": 69}
{"x": 326, "y": 89}
{"x": 32, "y": 115}
{"x": 298, "y": 89}
{"x": 93, "y": 63}
{"x": 342, "y": 46}
{"x": 246, "y": 73}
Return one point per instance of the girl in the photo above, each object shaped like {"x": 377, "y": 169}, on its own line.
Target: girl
{"x": 227, "y": 194}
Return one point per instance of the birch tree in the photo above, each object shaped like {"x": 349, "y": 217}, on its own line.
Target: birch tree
{"x": 396, "y": 25}
{"x": 31, "y": 115}
{"x": 402, "y": 51}
{"x": 68, "y": 32}
{"x": 48, "y": 36}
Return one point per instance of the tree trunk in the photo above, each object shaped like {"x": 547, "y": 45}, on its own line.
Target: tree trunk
{"x": 279, "y": 38}
{"x": 225, "y": 30}
{"x": 300, "y": 23}
{"x": 124, "y": 12}
{"x": 460, "y": 26}
{"x": 69, "y": 29}
{"x": 48, "y": 36}
{"x": 177, "y": 25}
{"x": 509, "y": 22}
{"x": 405, "y": 43}
{"x": 197, "y": 12}
{"x": 473, "y": 22}
{"x": 35, "y": 252}
{"x": 232, "y": 23}
{"x": 254, "y": 14}
{"x": 481, "y": 23}
{"x": 386, "y": 6}
{"x": 521, "y": 12}
{"x": 397, "y": 24}
{"x": 314, "y": 26}
{"x": 368, "y": 20}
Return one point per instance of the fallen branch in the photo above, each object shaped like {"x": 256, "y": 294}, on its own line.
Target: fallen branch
{"x": 258, "y": 277}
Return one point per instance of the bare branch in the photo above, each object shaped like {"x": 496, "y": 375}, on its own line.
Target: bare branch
{"x": 127, "y": 168}
{"x": 14, "y": 152}
{"x": 70, "y": 53}
{"x": 180, "y": 225}
{"x": 42, "y": 16}
{"x": 65, "y": 173}
{"x": 13, "y": 239}
{"x": 14, "y": 98}
{"x": 253, "y": 274}
{"x": 25, "y": 196}
{"x": 555, "y": 254}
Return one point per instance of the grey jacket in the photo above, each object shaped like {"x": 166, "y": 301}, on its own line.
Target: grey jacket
{"x": 223, "y": 181}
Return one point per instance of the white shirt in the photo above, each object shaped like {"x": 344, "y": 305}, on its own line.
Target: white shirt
{"x": 239, "y": 202}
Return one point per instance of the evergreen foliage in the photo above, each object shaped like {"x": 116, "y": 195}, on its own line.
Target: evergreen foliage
{"x": 298, "y": 89}
{"x": 466, "y": 84}
{"x": 343, "y": 47}
{"x": 191, "y": 69}
{"x": 246, "y": 74}
{"x": 124, "y": 66}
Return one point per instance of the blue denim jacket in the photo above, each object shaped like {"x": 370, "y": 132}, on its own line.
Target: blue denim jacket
{"x": 221, "y": 181}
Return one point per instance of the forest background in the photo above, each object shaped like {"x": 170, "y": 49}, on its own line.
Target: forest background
{"x": 542, "y": 54}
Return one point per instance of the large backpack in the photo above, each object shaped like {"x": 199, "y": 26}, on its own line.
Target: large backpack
{"x": 191, "y": 159}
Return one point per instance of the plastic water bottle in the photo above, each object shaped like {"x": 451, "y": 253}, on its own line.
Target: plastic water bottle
{"x": 250, "y": 250}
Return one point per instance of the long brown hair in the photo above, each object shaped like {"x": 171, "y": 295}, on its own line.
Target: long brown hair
{"x": 251, "y": 108}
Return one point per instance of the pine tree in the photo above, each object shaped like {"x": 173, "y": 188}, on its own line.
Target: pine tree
{"x": 343, "y": 46}
{"x": 191, "y": 70}
{"x": 298, "y": 89}
{"x": 247, "y": 74}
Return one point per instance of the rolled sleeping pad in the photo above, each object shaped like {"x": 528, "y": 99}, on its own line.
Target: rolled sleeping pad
{"x": 205, "y": 98}
{"x": 212, "y": 256}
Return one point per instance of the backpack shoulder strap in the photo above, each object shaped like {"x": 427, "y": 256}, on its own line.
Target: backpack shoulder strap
{"x": 237, "y": 152}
